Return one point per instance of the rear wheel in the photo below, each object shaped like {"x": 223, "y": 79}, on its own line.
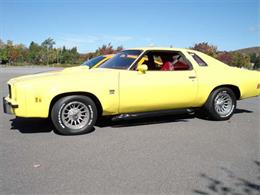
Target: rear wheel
{"x": 74, "y": 115}
{"x": 221, "y": 104}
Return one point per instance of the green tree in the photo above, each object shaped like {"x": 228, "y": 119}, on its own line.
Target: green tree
{"x": 48, "y": 43}
{"x": 3, "y": 56}
{"x": 241, "y": 60}
{"x": 47, "y": 46}
{"x": 3, "y": 53}
{"x": 34, "y": 53}
{"x": 257, "y": 62}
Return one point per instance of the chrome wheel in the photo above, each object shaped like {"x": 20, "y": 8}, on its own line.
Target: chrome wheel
{"x": 223, "y": 104}
{"x": 75, "y": 115}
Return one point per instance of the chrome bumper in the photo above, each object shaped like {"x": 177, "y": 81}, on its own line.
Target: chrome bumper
{"x": 8, "y": 107}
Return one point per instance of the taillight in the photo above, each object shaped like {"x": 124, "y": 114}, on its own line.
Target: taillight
{"x": 10, "y": 91}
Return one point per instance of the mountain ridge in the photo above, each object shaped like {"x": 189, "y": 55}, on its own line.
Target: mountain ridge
{"x": 249, "y": 50}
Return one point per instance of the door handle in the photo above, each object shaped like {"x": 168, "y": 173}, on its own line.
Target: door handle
{"x": 192, "y": 77}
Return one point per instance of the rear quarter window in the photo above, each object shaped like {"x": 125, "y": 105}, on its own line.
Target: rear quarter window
{"x": 199, "y": 61}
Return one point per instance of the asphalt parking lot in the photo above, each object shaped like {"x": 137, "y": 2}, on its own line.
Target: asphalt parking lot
{"x": 170, "y": 154}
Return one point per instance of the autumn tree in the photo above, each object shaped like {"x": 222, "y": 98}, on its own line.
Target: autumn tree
{"x": 206, "y": 48}
{"x": 108, "y": 49}
{"x": 225, "y": 57}
{"x": 235, "y": 59}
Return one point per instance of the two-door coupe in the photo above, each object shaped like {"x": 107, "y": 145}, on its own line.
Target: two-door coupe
{"x": 134, "y": 80}
{"x": 97, "y": 61}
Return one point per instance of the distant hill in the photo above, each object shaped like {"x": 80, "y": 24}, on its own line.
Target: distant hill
{"x": 249, "y": 50}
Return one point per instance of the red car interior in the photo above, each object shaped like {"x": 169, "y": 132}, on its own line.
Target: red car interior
{"x": 177, "y": 66}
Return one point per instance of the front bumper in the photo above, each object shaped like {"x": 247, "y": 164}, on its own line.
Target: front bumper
{"x": 8, "y": 107}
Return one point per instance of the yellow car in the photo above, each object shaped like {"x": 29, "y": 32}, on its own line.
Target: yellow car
{"x": 134, "y": 80}
{"x": 97, "y": 61}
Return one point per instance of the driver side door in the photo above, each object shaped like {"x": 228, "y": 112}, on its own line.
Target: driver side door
{"x": 156, "y": 89}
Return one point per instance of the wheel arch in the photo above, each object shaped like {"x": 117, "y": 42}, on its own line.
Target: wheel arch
{"x": 90, "y": 95}
{"x": 234, "y": 88}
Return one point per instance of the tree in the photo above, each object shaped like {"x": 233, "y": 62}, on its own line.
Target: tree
{"x": 105, "y": 49}
{"x": 257, "y": 63}
{"x": 225, "y": 57}
{"x": 206, "y": 48}
{"x": 34, "y": 53}
{"x": 47, "y": 46}
{"x": 119, "y": 48}
{"x": 255, "y": 60}
{"x": 10, "y": 51}
{"x": 69, "y": 56}
{"x": 253, "y": 57}
{"x": 235, "y": 59}
{"x": 2, "y": 44}
{"x": 108, "y": 49}
{"x": 48, "y": 43}
{"x": 3, "y": 55}
{"x": 241, "y": 60}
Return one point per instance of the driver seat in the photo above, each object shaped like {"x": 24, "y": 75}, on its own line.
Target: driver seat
{"x": 167, "y": 65}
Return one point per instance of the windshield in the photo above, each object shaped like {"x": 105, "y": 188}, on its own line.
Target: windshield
{"x": 122, "y": 60}
{"x": 92, "y": 62}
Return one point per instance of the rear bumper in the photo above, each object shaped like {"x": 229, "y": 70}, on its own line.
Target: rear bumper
{"x": 8, "y": 107}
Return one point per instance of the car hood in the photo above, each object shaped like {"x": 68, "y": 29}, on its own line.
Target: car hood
{"x": 50, "y": 74}
{"x": 74, "y": 74}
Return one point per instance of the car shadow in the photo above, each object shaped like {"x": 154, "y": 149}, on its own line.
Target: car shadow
{"x": 237, "y": 184}
{"x": 238, "y": 111}
{"x": 31, "y": 125}
{"x": 143, "y": 120}
{"x": 165, "y": 117}
{"x": 202, "y": 115}
{"x": 39, "y": 125}
{"x": 34, "y": 125}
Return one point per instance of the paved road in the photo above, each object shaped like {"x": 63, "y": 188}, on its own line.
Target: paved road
{"x": 174, "y": 154}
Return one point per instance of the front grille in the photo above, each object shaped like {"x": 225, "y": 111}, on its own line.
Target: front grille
{"x": 10, "y": 91}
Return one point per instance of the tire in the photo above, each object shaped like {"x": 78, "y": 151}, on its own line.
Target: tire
{"x": 74, "y": 115}
{"x": 221, "y": 104}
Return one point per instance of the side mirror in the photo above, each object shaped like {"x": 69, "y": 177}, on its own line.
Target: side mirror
{"x": 142, "y": 68}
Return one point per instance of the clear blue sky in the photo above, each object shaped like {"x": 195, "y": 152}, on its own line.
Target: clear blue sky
{"x": 229, "y": 24}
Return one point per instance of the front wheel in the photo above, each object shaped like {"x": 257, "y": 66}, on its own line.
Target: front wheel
{"x": 221, "y": 104}
{"x": 73, "y": 115}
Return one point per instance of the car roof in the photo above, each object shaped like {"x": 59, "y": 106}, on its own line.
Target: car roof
{"x": 109, "y": 55}
{"x": 162, "y": 48}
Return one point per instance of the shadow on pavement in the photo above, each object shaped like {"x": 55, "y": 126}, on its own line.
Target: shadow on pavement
{"x": 238, "y": 111}
{"x": 38, "y": 125}
{"x": 143, "y": 120}
{"x": 31, "y": 125}
{"x": 237, "y": 185}
{"x": 166, "y": 117}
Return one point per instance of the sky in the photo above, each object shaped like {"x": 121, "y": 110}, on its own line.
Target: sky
{"x": 228, "y": 24}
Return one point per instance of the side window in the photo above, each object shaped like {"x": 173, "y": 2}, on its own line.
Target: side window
{"x": 174, "y": 61}
{"x": 143, "y": 60}
{"x": 199, "y": 61}
{"x": 157, "y": 61}
{"x": 164, "y": 61}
